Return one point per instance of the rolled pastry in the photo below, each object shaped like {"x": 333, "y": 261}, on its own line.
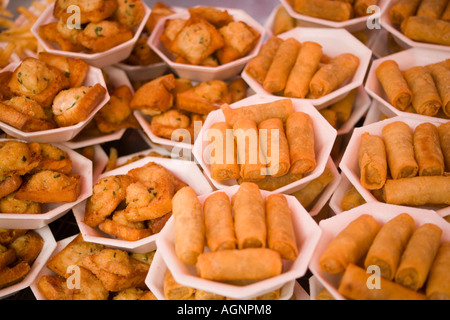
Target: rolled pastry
{"x": 271, "y": 183}
{"x": 438, "y": 283}
{"x": 325, "y": 9}
{"x": 431, "y": 8}
{"x": 444, "y": 139}
{"x": 427, "y": 150}
{"x": 441, "y": 77}
{"x": 403, "y": 9}
{"x": 352, "y": 199}
{"x": 308, "y": 194}
{"x": 361, "y": 6}
{"x": 425, "y": 29}
{"x": 372, "y": 161}
{"x": 175, "y": 291}
{"x": 344, "y": 107}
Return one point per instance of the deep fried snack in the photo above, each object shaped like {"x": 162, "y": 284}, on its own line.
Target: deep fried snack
{"x": 159, "y": 11}
{"x": 271, "y": 183}
{"x": 5, "y": 93}
{"x": 28, "y": 247}
{"x": 237, "y": 89}
{"x": 352, "y": 199}
{"x": 444, "y": 139}
{"x": 427, "y": 150}
{"x": 143, "y": 54}
{"x": 38, "y": 81}
{"x": 75, "y": 69}
{"x": 74, "y": 105}
{"x": 107, "y": 194}
{"x": 325, "y": 9}
{"x": 50, "y": 32}
{"x": 175, "y": 291}
{"x": 344, "y": 107}
{"x": 283, "y": 21}
{"x": 89, "y": 11}
{"x": 49, "y": 186}
{"x": 9, "y": 185}
{"x": 441, "y": 77}
{"x": 426, "y": 29}
{"x": 10, "y": 204}
{"x": 394, "y": 84}
{"x": 213, "y": 15}
{"x": 54, "y": 288}
{"x": 9, "y": 235}
{"x": 54, "y": 158}
{"x": 155, "y": 96}
{"x": 437, "y": 287}
{"x": 13, "y": 275}
{"x": 103, "y": 35}
{"x": 372, "y": 161}
{"x": 309, "y": 193}
{"x": 403, "y": 9}
{"x": 7, "y": 257}
{"x": 130, "y": 13}
{"x": 173, "y": 124}
{"x": 171, "y": 28}
{"x": 130, "y": 231}
{"x": 19, "y": 158}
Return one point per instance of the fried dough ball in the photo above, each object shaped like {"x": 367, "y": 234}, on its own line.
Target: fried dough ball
{"x": 17, "y": 157}
{"x": 10, "y": 204}
{"x": 28, "y": 247}
{"x": 75, "y": 69}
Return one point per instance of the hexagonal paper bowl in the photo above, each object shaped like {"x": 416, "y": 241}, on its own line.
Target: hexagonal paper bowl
{"x": 201, "y": 73}
{"x": 187, "y": 171}
{"x": 382, "y": 213}
{"x": 325, "y": 136}
{"x": 334, "y": 42}
{"x": 62, "y": 134}
{"x": 307, "y": 234}
{"x": 405, "y": 59}
{"x": 99, "y": 59}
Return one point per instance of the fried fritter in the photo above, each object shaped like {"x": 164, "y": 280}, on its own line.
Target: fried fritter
{"x": 90, "y": 10}
{"x": 143, "y": 54}
{"x": 28, "y": 247}
{"x": 121, "y": 228}
{"x": 54, "y": 288}
{"x": 10, "y": 204}
{"x": 159, "y": 11}
{"x": 213, "y": 15}
{"x": 18, "y": 158}
{"x": 9, "y": 185}
{"x": 130, "y": 13}
{"x": 75, "y": 69}
{"x": 165, "y": 124}
{"x": 54, "y": 158}
{"x": 104, "y": 35}
{"x": 13, "y": 275}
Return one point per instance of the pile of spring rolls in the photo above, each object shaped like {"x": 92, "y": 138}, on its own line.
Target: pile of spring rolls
{"x": 247, "y": 154}
{"x": 300, "y": 70}
{"x": 407, "y": 166}
{"x": 247, "y": 236}
{"x": 423, "y": 90}
{"x": 423, "y": 20}
{"x": 413, "y": 261}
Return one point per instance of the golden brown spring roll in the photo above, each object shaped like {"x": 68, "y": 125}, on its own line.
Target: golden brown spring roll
{"x": 361, "y": 7}
{"x": 224, "y": 165}
{"x": 283, "y": 21}
{"x": 427, "y": 150}
{"x": 189, "y": 226}
{"x": 325, "y": 9}
{"x": 332, "y": 75}
{"x": 437, "y": 287}
{"x": 418, "y": 256}
{"x": 418, "y": 191}
{"x": 300, "y": 135}
{"x": 175, "y": 291}
{"x": 281, "y": 66}
{"x": 308, "y": 194}
{"x": 344, "y": 107}
{"x": 394, "y": 84}
{"x": 352, "y": 199}
{"x": 330, "y": 116}
{"x": 398, "y": 139}
{"x": 372, "y": 161}
{"x": 306, "y": 65}
{"x": 403, "y": 9}
{"x": 219, "y": 222}
{"x": 235, "y": 265}
{"x": 350, "y": 244}
{"x": 388, "y": 245}
{"x": 280, "y": 230}
{"x": 425, "y": 98}
{"x": 354, "y": 286}
{"x": 425, "y": 29}
{"x": 444, "y": 139}
{"x": 270, "y": 183}
{"x": 446, "y": 14}
{"x": 441, "y": 77}
{"x": 274, "y": 146}
{"x": 249, "y": 216}
{"x": 259, "y": 112}
{"x": 257, "y": 68}
{"x": 431, "y": 8}
{"x": 250, "y": 158}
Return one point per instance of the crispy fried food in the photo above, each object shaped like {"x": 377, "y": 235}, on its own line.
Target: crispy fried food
{"x": 10, "y": 204}
{"x": 107, "y": 194}
{"x": 13, "y": 275}
{"x": 71, "y": 255}
{"x": 155, "y": 96}
{"x": 7, "y": 257}
{"x": 116, "y": 269}
{"x": 18, "y": 158}
{"x": 9, "y": 235}
{"x": 121, "y": 228}
{"x": 130, "y": 294}
{"x": 90, "y": 11}
{"x": 164, "y": 125}
{"x": 49, "y": 186}
{"x": 104, "y": 35}
{"x": 196, "y": 41}
{"x": 146, "y": 257}
{"x": 159, "y": 11}
{"x": 38, "y": 81}
{"x": 203, "y": 98}
{"x": 213, "y": 15}
{"x": 9, "y": 185}
{"x": 54, "y": 288}
{"x": 75, "y": 69}
{"x": 28, "y": 247}
{"x": 239, "y": 39}
{"x": 157, "y": 224}
{"x": 54, "y": 158}
{"x": 142, "y": 54}
{"x": 74, "y": 105}
{"x": 68, "y": 34}
{"x": 49, "y": 32}
{"x": 5, "y": 93}
{"x": 237, "y": 90}
{"x": 171, "y": 28}
{"x": 130, "y": 13}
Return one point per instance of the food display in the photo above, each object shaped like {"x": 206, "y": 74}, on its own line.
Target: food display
{"x": 166, "y": 150}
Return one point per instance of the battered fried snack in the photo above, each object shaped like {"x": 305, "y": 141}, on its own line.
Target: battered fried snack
{"x": 103, "y": 35}
{"x": 215, "y": 16}
{"x": 19, "y": 158}
{"x": 444, "y": 139}
{"x": 159, "y": 11}
{"x": 90, "y": 12}
{"x": 309, "y": 193}
{"x": 28, "y": 247}
{"x": 10, "y": 204}
{"x": 427, "y": 150}
{"x": 54, "y": 158}
{"x": 175, "y": 291}
{"x": 426, "y": 29}
{"x": 441, "y": 77}
{"x": 351, "y": 199}
{"x": 13, "y": 275}
{"x": 403, "y": 9}
{"x": 270, "y": 183}
{"x": 129, "y": 13}
{"x": 9, "y": 185}
{"x": 437, "y": 287}
{"x": 372, "y": 162}
{"x": 119, "y": 227}
{"x": 237, "y": 89}
{"x": 173, "y": 124}
{"x": 325, "y": 9}
{"x": 50, "y": 33}
{"x": 171, "y": 28}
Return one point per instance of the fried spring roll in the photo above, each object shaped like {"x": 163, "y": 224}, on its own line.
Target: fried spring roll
{"x": 219, "y": 222}
{"x": 257, "y": 68}
{"x": 306, "y": 65}
{"x": 418, "y": 256}
{"x": 388, "y": 245}
{"x": 259, "y": 112}
{"x": 325, "y": 9}
{"x": 431, "y": 8}
{"x": 236, "y": 265}
{"x": 250, "y": 157}
{"x": 446, "y": 14}
{"x": 427, "y": 150}
{"x": 361, "y": 7}
{"x": 308, "y": 194}
{"x": 441, "y": 77}
{"x": 372, "y": 161}
{"x": 425, "y": 29}
{"x": 354, "y": 286}
{"x": 270, "y": 183}
{"x": 224, "y": 165}
{"x": 398, "y": 139}
{"x": 300, "y": 135}
{"x": 444, "y": 139}
{"x": 281, "y": 66}
{"x": 280, "y": 230}
{"x": 189, "y": 226}
{"x": 175, "y": 291}
{"x": 274, "y": 146}
{"x": 438, "y": 283}
{"x": 352, "y": 199}
{"x": 425, "y": 98}
{"x": 403, "y": 9}
{"x": 350, "y": 245}
{"x": 249, "y": 216}
{"x": 394, "y": 84}
{"x": 344, "y": 107}
{"x": 418, "y": 191}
